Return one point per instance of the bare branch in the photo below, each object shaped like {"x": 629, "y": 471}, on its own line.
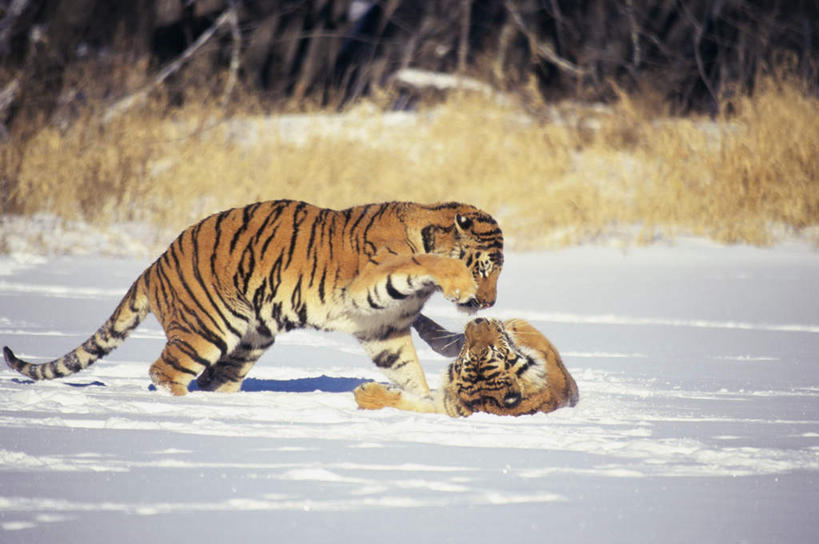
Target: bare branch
{"x": 125, "y": 104}
{"x": 507, "y": 33}
{"x": 7, "y": 97}
{"x": 559, "y": 23}
{"x": 545, "y": 51}
{"x": 636, "y": 54}
{"x": 463, "y": 42}
{"x": 236, "y": 37}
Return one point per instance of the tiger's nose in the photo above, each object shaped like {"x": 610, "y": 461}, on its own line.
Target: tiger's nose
{"x": 485, "y": 300}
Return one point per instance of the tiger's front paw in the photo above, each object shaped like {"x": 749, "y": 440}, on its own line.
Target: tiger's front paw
{"x": 456, "y": 282}
{"x": 374, "y": 396}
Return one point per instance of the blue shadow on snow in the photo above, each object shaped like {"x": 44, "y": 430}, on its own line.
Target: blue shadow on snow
{"x": 325, "y": 384}
{"x": 95, "y": 383}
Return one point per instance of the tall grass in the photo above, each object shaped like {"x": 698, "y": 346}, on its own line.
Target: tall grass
{"x": 583, "y": 174}
{"x": 753, "y": 172}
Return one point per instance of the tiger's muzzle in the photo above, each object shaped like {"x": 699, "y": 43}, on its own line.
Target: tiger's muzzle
{"x": 473, "y": 305}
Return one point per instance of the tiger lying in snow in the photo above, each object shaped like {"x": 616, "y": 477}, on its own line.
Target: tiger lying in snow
{"x": 503, "y": 367}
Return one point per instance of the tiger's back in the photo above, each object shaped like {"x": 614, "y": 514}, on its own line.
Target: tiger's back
{"x": 281, "y": 265}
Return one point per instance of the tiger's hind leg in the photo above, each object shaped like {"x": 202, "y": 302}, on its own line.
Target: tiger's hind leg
{"x": 183, "y": 358}
{"x": 227, "y": 374}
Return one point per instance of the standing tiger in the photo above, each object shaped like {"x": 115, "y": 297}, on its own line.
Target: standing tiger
{"x": 503, "y": 367}
{"x": 229, "y": 284}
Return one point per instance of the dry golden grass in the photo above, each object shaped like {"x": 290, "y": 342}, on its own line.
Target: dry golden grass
{"x": 548, "y": 182}
{"x": 750, "y": 172}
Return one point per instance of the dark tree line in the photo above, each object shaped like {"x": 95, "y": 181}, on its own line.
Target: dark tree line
{"x": 690, "y": 52}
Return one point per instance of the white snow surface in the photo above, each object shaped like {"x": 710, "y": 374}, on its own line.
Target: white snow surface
{"x": 698, "y": 421}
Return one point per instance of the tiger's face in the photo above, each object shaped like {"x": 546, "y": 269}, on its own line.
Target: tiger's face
{"x": 480, "y": 245}
{"x": 493, "y": 374}
{"x": 475, "y": 238}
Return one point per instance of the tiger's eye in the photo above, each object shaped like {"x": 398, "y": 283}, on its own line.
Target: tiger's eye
{"x": 463, "y": 221}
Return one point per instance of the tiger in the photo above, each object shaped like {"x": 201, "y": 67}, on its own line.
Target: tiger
{"x": 228, "y": 285}
{"x": 502, "y": 367}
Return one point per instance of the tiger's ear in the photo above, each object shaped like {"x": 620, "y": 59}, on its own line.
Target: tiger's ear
{"x": 463, "y": 222}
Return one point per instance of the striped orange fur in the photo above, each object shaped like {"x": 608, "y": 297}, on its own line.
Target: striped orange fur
{"x": 228, "y": 285}
{"x": 503, "y": 367}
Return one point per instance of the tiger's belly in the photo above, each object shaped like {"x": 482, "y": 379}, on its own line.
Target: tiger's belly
{"x": 367, "y": 322}
{"x": 281, "y": 316}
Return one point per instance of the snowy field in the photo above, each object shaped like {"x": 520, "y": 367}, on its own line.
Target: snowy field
{"x": 698, "y": 421}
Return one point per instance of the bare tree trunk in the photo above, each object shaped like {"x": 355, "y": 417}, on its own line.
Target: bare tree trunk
{"x": 236, "y": 38}
{"x": 699, "y": 31}
{"x": 463, "y": 40}
{"x": 507, "y": 33}
{"x": 634, "y": 31}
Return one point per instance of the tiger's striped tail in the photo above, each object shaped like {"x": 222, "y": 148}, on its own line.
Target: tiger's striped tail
{"x": 129, "y": 313}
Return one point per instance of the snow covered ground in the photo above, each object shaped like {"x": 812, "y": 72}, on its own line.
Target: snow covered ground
{"x": 698, "y": 369}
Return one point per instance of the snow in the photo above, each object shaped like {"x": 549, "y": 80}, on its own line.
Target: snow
{"x": 698, "y": 370}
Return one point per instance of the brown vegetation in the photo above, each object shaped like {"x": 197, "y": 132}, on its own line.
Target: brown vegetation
{"x": 587, "y": 172}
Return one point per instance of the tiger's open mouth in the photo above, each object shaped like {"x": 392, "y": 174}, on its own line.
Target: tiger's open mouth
{"x": 470, "y": 307}
{"x": 473, "y": 305}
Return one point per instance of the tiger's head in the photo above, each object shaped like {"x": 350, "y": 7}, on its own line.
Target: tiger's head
{"x": 502, "y": 369}
{"x": 474, "y": 237}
